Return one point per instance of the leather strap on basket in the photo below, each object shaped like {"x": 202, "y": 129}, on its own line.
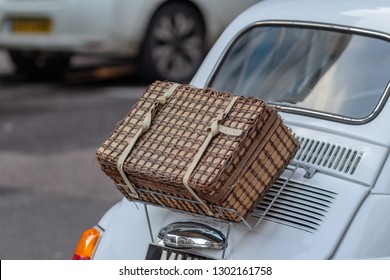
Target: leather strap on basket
{"x": 161, "y": 100}
{"x": 215, "y": 129}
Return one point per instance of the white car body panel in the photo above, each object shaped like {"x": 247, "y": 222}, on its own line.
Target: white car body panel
{"x": 356, "y": 223}
{"x": 368, "y": 235}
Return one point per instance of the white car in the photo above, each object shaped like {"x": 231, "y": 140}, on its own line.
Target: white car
{"x": 169, "y": 38}
{"x": 326, "y": 68}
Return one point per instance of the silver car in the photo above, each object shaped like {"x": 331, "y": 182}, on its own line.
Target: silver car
{"x": 168, "y": 38}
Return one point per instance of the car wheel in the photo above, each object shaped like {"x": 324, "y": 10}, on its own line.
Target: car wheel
{"x": 40, "y": 64}
{"x": 174, "y": 45}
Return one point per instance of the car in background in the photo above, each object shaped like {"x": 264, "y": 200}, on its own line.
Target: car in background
{"x": 168, "y": 38}
{"x": 326, "y": 69}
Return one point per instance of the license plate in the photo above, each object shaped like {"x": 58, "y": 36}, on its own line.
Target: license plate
{"x": 25, "y": 25}
{"x": 157, "y": 252}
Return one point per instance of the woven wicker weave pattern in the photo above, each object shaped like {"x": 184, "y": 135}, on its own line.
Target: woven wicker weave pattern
{"x": 180, "y": 126}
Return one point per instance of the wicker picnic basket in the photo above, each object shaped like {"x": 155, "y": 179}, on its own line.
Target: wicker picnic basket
{"x": 198, "y": 150}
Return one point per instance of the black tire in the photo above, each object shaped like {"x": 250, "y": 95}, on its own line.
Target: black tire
{"x": 40, "y": 65}
{"x": 174, "y": 45}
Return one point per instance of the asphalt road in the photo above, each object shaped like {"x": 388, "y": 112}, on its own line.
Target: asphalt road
{"x": 51, "y": 186}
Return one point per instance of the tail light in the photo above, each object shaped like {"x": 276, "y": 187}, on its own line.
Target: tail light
{"x": 88, "y": 243}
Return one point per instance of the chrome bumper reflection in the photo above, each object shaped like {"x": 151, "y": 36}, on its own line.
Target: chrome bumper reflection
{"x": 192, "y": 235}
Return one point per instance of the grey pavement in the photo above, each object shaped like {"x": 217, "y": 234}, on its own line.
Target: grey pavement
{"x": 51, "y": 186}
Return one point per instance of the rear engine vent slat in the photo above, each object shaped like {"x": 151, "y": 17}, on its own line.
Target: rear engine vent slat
{"x": 310, "y": 210}
{"x": 303, "y": 190}
{"x": 298, "y": 205}
{"x": 293, "y": 213}
{"x": 328, "y": 155}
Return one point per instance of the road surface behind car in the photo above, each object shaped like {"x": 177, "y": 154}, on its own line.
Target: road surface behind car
{"x": 51, "y": 186}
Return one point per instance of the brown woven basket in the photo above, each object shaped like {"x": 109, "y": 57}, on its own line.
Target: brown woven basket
{"x": 163, "y": 151}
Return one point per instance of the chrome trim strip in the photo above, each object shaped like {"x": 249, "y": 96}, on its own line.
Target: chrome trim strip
{"x": 160, "y": 252}
{"x": 303, "y": 111}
